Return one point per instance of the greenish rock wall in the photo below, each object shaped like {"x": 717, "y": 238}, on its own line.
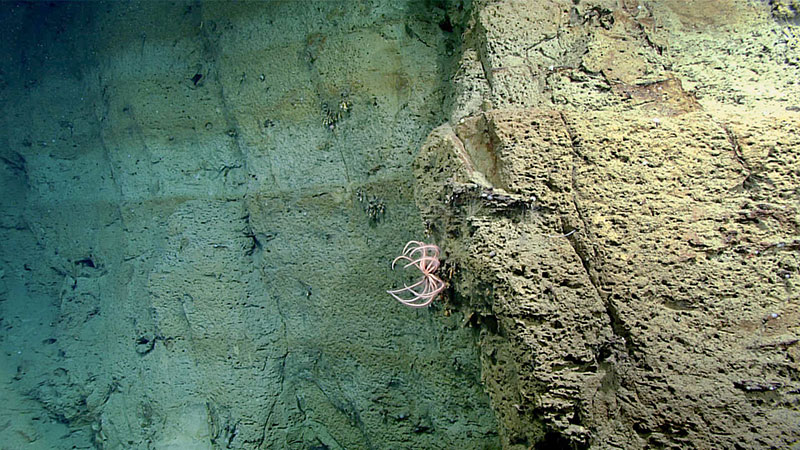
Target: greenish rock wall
{"x": 206, "y": 201}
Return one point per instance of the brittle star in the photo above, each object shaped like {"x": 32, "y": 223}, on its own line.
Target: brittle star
{"x": 427, "y": 261}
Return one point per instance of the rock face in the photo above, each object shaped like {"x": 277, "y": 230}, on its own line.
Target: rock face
{"x": 202, "y": 200}
{"x": 619, "y": 218}
{"x": 202, "y": 203}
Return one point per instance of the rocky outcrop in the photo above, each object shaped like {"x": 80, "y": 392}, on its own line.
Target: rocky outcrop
{"x": 624, "y": 237}
{"x": 202, "y": 204}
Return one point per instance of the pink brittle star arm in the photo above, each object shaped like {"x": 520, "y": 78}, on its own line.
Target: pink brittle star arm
{"x": 422, "y": 248}
{"x": 430, "y": 292}
{"x": 425, "y": 257}
{"x": 396, "y": 292}
{"x": 432, "y": 286}
{"x": 427, "y": 263}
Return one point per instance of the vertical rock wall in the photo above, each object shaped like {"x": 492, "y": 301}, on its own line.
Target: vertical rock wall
{"x": 205, "y": 206}
{"x": 616, "y": 196}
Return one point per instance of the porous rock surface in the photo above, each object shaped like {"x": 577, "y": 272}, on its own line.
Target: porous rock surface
{"x": 619, "y": 219}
